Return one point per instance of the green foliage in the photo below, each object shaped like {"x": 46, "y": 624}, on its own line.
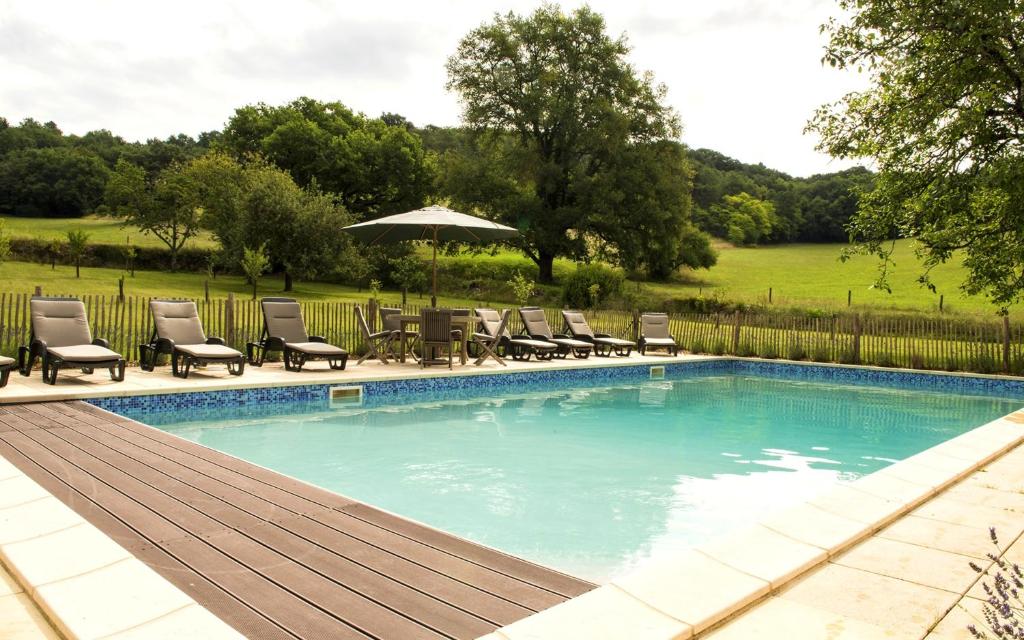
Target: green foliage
{"x": 409, "y": 273}
{"x": 718, "y": 348}
{"x": 796, "y": 351}
{"x": 5, "y": 241}
{"x": 51, "y": 182}
{"x": 744, "y": 219}
{"x": 375, "y": 168}
{"x": 943, "y": 120}
{"x": 522, "y": 288}
{"x": 166, "y": 207}
{"x": 884, "y": 359}
{"x": 697, "y": 346}
{"x": 821, "y": 354}
{"x": 77, "y": 246}
{"x": 917, "y": 361}
{"x": 746, "y": 349}
{"x": 255, "y": 263}
{"x": 375, "y": 289}
{"x": 547, "y": 158}
{"x": 768, "y": 352}
{"x": 590, "y": 284}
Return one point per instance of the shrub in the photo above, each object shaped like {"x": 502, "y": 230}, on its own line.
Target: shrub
{"x": 579, "y": 290}
{"x": 885, "y": 359}
{"x": 746, "y": 350}
{"x": 718, "y": 348}
{"x": 522, "y": 288}
{"x": 697, "y": 346}
{"x": 917, "y": 361}
{"x": 769, "y": 352}
{"x": 1003, "y": 610}
{"x": 984, "y": 363}
{"x": 796, "y": 351}
{"x": 821, "y": 354}
{"x": 847, "y": 356}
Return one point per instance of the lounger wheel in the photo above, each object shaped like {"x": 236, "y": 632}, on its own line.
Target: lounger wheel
{"x": 87, "y": 370}
{"x": 582, "y": 354}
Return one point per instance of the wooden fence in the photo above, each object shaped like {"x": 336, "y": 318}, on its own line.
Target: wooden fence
{"x": 919, "y": 342}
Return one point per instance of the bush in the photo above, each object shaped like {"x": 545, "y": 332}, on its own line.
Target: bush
{"x": 885, "y": 359}
{"x": 821, "y": 354}
{"x": 718, "y": 348}
{"x": 746, "y": 350}
{"x": 769, "y": 352}
{"x": 796, "y": 351}
{"x": 111, "y": 255}
{"x": 984, "y": 363}
{"x": 697, "y": 346}
{"x": 590, "y": 284}
{"x": 917, "y": 361}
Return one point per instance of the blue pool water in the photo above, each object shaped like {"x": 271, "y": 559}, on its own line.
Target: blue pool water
{"x": 594, "y": 480}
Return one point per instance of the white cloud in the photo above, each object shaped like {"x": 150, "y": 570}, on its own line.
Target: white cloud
{"x": 744, "y": 74}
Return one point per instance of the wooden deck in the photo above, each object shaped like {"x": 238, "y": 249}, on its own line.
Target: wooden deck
{"x": 272, "y": 556}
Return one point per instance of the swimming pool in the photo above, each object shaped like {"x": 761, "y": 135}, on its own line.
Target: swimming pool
{"x": 599, "y": 477}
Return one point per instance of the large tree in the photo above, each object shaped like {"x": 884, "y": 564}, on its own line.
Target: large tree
{"x": 943, "y": 119}
{"x": 375, "y": 167}
{"x": 51, "y": 181}
{"x": 559, "y": 117}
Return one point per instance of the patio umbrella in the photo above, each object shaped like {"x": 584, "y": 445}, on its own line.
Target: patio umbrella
{"x": 434, "y": 223}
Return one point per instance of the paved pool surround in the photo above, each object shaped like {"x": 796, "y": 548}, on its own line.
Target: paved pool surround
{"x": 734, "y": 584}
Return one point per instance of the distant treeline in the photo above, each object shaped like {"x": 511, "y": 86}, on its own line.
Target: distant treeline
{"x": 814, "y": 209}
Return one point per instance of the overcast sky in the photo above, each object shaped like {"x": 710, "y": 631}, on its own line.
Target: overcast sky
{"x": 745, "y": 75}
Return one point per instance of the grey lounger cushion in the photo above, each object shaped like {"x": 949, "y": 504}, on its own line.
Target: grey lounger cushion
{"x": 316, "y": 348}
{"x": 579, "y": 327}
{"x": 178, "y": 321}
{"x": 208, "y": 351}
{"x": 284, "y": 321}
{"x": 5, "y": 361}
{"x": 660, "y": 342}
{"x": 84, "y": 353}
{"x": 60, "y": 323}
{"x": 533, "y": 344}
{"x": 572, "y": 342}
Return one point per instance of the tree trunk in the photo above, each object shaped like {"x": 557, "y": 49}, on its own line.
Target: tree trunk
{"x": 78, "y": 269}
{"x": 546, "y": 263}
{"x": 254, "y": 285}
{"x": 405, "y": 292}
{"x": 174, "y": 260}
{"x": 287, "y": 281}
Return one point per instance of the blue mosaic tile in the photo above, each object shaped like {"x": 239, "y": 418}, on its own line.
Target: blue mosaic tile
{"x": 377, "y": 393}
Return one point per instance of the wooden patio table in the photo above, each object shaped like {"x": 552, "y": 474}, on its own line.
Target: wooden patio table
{"x": 466, "y": 323}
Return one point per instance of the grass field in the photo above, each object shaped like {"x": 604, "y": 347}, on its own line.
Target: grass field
{"x": 23, "y": 277}
{"x": 101, "y": 231}
{"x": 800, "y": 275}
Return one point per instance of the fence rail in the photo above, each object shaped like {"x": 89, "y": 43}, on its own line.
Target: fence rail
{"x": 940, "y": 343}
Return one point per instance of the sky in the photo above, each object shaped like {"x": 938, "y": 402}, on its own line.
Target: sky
{"x": 744, "y": 75}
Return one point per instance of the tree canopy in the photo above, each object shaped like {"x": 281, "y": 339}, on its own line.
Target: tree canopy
{"x": 374, "y": 167}
{"x": 561, "y": 123}
{"x": 943, "y": 120}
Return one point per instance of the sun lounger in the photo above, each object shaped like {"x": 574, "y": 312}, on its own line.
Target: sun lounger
{"x": 604, "y": 344}
{"x": 519, "y": 347}
{"x": 179, "y": 332}
{"x": 6, "y": 364}
{"x": 538, "y": 329}
{"x": 654, "y": 334}
{"x": 61, "y": 338}
{"x": 284, "y": 330}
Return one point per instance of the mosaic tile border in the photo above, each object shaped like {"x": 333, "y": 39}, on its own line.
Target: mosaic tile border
{"x": 453, "y": 387}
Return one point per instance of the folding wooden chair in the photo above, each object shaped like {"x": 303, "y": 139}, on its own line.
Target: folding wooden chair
{"x": 489, "y": 344}
{"x": 376, "y": 343}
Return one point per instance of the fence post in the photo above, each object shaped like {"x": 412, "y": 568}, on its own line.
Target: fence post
{"x": 229, "y": 319}
{"x": 855, "y": 356}
{"x": 371, "y": 312}
{"x": 636, "y": 325}
{"x": 736, "y": 332}
{"x": 39, "y": 291}
{"x": 1006, "y": 344}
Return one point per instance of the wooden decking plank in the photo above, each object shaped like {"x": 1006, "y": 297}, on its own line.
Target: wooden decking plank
{"x": 273, "y": 556}
{"x": 444, "y": 592}
{"x": 404, "y": 547}
{"x": 344, "y": 604}
{"x": 232, "y": 610}
{"x": 278, "y": 604}
{"x": 385, "y": 590}
{"x": 543, "y": 577}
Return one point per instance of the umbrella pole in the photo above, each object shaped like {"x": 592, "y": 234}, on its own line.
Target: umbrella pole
{"x": 433, "y": 298}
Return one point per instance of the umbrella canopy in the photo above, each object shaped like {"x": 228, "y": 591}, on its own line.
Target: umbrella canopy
{"x": 434, "y": 223}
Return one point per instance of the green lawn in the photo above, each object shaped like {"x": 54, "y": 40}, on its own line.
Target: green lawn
{"x": 812, "y": 275}
{"x": 23, "y": 277}
{"x": 101, "y": 231}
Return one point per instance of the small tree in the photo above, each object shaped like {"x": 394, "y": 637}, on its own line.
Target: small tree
{"x": 408, "y": 273}
{"x": 78, "y": 244}
{"x": 130, "y": 253}
{"x": 254, "y": 264}
{"x": 5, "y": 241}
{"x": 55, "y": 249}
{"x": 522, "y": 288}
